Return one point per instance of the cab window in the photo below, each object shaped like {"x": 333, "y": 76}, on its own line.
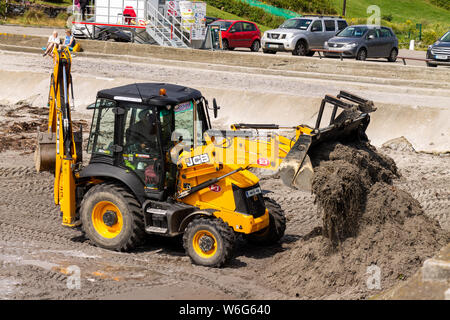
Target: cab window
{"x": 101, "y": 139}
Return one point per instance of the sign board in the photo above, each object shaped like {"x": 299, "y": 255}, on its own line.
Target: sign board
{"x": 173, "y": 8}
{"x": 193, "y": 15}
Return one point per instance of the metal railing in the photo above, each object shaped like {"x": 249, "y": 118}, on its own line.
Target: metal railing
{"x": 164, "y": 31}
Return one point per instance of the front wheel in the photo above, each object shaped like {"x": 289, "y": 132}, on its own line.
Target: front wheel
{"x": 300, "y": 49}
{"x": 362, "y": 55}
{"x": 277, "y": 226}
{"x": 209, "y": 242}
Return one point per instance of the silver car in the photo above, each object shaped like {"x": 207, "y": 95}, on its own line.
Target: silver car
{"x": 364, "y": 41}
{"x": 300, "y": 35}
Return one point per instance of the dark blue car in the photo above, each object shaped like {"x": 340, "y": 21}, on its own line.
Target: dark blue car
{"x": 439, "y": 51}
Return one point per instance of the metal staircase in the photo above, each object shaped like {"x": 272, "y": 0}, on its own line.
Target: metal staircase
{"x": 163, "y": 31}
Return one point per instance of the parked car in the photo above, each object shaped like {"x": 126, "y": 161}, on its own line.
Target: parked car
{"x": 299, "y": 35}
{"x": 364, "y": 41}
{"x": 239, "y": 34}
{"x": 439, "y": 51}
{"x": 86, "y": 31}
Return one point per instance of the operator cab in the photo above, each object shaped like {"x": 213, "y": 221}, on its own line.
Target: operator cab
{"x": 134, "y": 127}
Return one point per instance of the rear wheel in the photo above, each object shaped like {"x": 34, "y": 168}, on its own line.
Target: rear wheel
{"x": 255, "y": 46}
{"x": 277, "y": 226}
{"x": 361, "y": 55}
{"x": 393, "y": 55}
{"x": 226, "y": 45}
{"x": 112, "y": 217}
{"x": 300, "y": 49}
{"x": 209, "y": 242}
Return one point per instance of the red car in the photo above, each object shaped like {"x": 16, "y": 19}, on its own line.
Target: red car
{"x": 239, "y": 34}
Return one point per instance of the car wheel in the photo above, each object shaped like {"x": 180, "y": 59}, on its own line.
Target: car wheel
{"x": 393, "y": 56}
{"x": 362, "y": 55}
{"x": 300, "y": 49}
{"x": 269, "y": 51}
{"x": 225, "y": 45}
{"x": 431, "y": 65}
{"x": 104, "y": 36}
{"x": 255, "y": 46}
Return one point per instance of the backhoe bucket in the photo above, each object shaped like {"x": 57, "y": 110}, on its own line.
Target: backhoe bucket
{"x": 296, "y": 170}
{"x": 45, "y": 153}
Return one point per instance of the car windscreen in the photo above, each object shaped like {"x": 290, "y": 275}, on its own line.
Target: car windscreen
{"x": 353, "y": 32}
{"x": 224, "y": 25}
{"x": 445, "y": 37}
{"x": 301, "y": 24}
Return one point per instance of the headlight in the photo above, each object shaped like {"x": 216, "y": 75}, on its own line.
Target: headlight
{"x": 430, "y": 46}
{"x": 290, "y": 35}
{"x": 351, "y": 45}
{"x": 265, "y": 35}
{"x": 325, "y": 43}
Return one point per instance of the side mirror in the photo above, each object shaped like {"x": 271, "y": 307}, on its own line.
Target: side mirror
{"x": 314, "y": 29}
{"x": 215, "y": 108}
{"x": 371, "y": 37}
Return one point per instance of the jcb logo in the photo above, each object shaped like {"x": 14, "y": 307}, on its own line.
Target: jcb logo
{"x": 203, "y": 158}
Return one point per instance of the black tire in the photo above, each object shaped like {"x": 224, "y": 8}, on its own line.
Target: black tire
{"x": 256, "y": 45}
{"x": 277, "y": 226}
{"x": 431, "y": 65}
{"x": 361, "y": 55}
{"x": 220, "y": 248}
{"x": 104, "y": 36}
{"x": 310, "y": 53}
{"x": 269, "y": 51}
{"x": 393, "y": 55}
{"x": 226, "y": 45}
{"x": 301, "y": 48}
{"x": 131, "y": 233}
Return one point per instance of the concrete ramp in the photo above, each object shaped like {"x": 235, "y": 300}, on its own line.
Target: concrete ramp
{"x": 426, "y": 128}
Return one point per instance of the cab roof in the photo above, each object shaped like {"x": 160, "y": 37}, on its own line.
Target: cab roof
{"x": 149, "y": 93}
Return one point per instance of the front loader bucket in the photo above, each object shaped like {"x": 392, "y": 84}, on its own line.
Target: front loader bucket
{"x": 45, "y": 153}
{"x": 296, "y": 170}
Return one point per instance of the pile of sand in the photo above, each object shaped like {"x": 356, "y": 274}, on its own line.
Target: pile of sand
{"x": 366, "y": 221}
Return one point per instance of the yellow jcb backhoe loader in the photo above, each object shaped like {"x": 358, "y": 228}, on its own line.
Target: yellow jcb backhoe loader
{"x": 158, "y": 167}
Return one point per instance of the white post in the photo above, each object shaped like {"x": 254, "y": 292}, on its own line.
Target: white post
{"x": 411, "y": 45}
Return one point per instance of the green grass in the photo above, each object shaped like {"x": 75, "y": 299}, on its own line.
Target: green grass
{"x": 418, "y": 11}
{"x": 63, "y": 3}
{"x": 217, "y": 13}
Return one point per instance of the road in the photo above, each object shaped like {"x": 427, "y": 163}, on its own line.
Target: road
{"x": 45, "y": 31}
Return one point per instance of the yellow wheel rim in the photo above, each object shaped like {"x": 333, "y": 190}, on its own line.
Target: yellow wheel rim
{"x": 205, "y": 244}
{"x": 107, "y": 219}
